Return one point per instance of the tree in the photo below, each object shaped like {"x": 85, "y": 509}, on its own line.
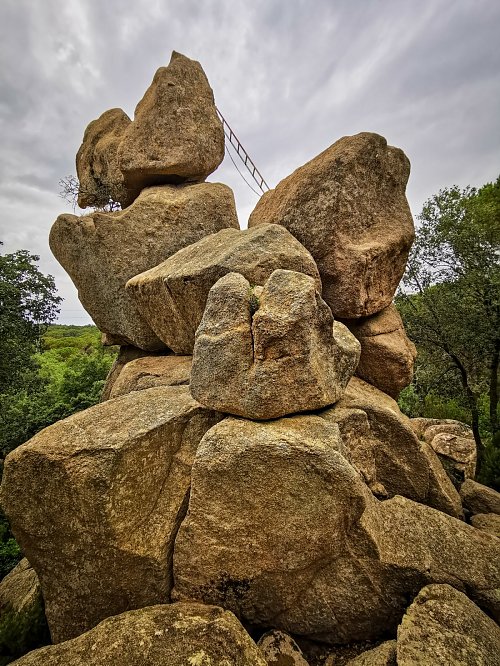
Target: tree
{"x": 450, "y": 300}
{"x": 28, "y": 303}
{"x": 71, "y": 188}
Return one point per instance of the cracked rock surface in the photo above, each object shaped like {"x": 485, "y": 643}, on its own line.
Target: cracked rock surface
{"x": 112, "y": 484}
{"x": 162, "y": 635}
{"x": 283, "y": 531}
{"x": 348, "y": 207}
{"x": 275, "y": 350}
{"x": 172, "y": 296}
{"x": 101, "y": 251}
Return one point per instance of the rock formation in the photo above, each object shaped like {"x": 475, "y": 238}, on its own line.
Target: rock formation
{"x": 97, "y": 165}
{"x": 173, "y": 295}
{"x": 348, "y": 207}
{"x": 235, "y": 463}
{"x": 264, "y": 342}
{"x": 101, "y": 251}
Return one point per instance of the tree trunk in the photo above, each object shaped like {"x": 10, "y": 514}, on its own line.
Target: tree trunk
{"x": 494, "y": 392}
{"x": 472, "y": 400}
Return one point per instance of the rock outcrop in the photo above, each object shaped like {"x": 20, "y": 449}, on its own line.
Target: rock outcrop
{"x": 387, "y": 355}
{"x": 176, "y": 134}
{"x": 382, "y": 446}
{"x": 382, "y": 655}
{"x": 97, "y": 165}
{"x": 348, "y": 207}
{"x": 316, "y": 512}
{"x": 275, "y": 350}
{"x": 101, "y": 251}
{"x": 478, "y": 498}
{"x": 489, "y": 522}
{"x": 112, "y": 484}
{"x": 443, "y": 626}
{"x": 348, "y": 574}
{"x": 190, "y": 634}
{"x": 173, "y": 295}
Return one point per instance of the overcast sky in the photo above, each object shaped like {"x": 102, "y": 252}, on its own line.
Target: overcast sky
{"x": 291, "y": 77}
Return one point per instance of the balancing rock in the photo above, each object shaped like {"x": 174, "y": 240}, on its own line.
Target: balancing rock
{"x": 348, "y": 207}
{"x": 97, "y": 166}
{"x": 173, "y": 295}
{"x": 176, "y": 135}
{"x": 111, "y": 485}
{"x": 101, "y": 251}
{"x": 274, "y": 353}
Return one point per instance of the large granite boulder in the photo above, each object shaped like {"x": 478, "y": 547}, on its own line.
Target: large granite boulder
{"x": 176, "y": 134}
{"x": 173, "y": 295}
{"x": 443, "y": 626}
{"x": 489, "y": 522}
{"x": 478, "y": 498}
{"x": 101, "y": 251}
{"x": 95, "y": 502}
{"x": 387, "y": 354}
{"x": 382, "y": 446}
{"x": 125, "y": 354}
{"x": 348, "y": 207}
{"x": 296, "y": 541}
{"x": 274, "y": 350}
{"x": 97, "y": 166}
{"x": 163, "y": 635}
{"x": 150, "y": 371}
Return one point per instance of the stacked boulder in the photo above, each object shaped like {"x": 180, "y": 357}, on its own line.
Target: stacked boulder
{"x": 239, "y": 496}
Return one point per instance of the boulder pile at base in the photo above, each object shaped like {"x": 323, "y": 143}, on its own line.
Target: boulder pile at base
{"x": 247, "y": 492}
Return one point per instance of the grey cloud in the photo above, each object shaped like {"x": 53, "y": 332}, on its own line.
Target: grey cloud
{"x": 290, "y": 77}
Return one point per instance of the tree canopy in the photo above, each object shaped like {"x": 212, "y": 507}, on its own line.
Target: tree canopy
{"x": 450, "y": 300}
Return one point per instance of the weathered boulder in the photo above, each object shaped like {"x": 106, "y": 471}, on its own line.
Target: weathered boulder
{"x": 97, "y": 166}
{"x": 173, "y": 295}
{"x": 387, "y": 354}
{"x": 111, "y": 485}
{"x": 454, "y": 443}
{"x": 383, "y": 448}
{"x": 382, "y": 655}
{"x": 20, "y": 588}
{"x": 477, "y": 498}
{"x": 274, "y": 350}
{"x": 443, "y": 626}
{"x": 164, "y": 635}
{"x": 176, "y": 134}
{"x": 101, "y": 251}
{"x": 279, "y": 649}
{"x": 23, "y": 626}
{"x": 297, "y": 542}
{"x": 150, "y": 371}
{"x": 489, "y": 522}
{"x": 125, "y": 354}
{"x": 348, "y": 207}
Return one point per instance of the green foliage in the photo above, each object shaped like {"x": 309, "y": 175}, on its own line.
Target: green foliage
{"x": 22, "y": 632}
{"x": 28, "y": 303}
{"x": 450, "y": 305}
{"x": 10, "y": 553}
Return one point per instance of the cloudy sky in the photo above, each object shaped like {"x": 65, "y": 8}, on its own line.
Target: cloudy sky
{"x": 291, "y": 77}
